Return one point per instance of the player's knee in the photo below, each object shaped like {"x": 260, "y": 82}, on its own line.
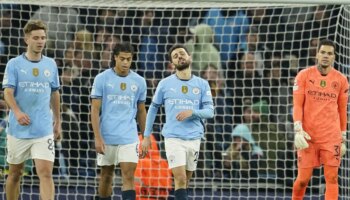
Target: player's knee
{"x": 106, "y": 178}
{"x": 332, "y": 179}
{"x": 15, "y": 176}
{"x": 181, "y": 179}
{"x": 303, "y": 182}
{"x": 45, "y": 174}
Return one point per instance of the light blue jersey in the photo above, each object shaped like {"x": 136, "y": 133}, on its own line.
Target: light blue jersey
{"x": 179, "y": 95}
{"x": 120, "y": 98}
{"x": 33, "y": 83}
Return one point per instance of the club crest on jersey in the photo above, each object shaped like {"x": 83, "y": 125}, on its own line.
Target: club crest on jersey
{"x": 335, "y": 85}
{"x": 195, "y": 90}
{"x": 323, "y": 83}
{"x": 184, "y": 89}
{"x": 122, "y": 86}
{"x": 133, "y": 88}
{"x": 35, "y": 71}
{"x": 47, "y": 73}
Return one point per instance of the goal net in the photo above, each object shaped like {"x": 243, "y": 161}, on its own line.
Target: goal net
{"x": 249, "y": 53}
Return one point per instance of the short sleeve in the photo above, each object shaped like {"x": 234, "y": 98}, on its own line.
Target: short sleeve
{"x": 97, "y": 87}
{"x": 10, "y": 76}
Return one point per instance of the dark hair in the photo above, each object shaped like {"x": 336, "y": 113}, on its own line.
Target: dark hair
{"x": 123, "y": 47}
{"x": 176, "y": 46}
{"x": 326, "y": 42}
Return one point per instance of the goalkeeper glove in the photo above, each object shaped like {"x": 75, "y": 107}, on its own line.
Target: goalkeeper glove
{"x": 343, "y": 145}
{"x": 300, "y": 136}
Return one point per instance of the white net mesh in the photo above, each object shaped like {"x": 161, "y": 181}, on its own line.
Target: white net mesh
{"x": 229, "y": 42}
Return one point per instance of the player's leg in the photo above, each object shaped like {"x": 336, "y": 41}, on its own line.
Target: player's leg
{"x": 193, "y": 147}
{"x": 13, "y": 181}
{"x": 43, "y": 153}
{"x": 307, "y": 160}
{"x": 18, "y": 151}
{"x": 107, "y": 163}
{"x": 128, "y": 188}
{"x": 300, "y": 184}
{"x": 105, "y": 186}
{"x": 180, "y": 180}
{"x": 128, "y": 159}
{"x": 331, "y": 177}
{"x": 330, "y": 156}
{"x": 44, "y": 170}
{"x": 176, "y": 155}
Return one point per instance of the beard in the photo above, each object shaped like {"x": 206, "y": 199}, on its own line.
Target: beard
{"x": 183, "y": 65}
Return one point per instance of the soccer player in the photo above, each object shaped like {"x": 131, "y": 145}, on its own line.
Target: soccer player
{"x": 320, "y": 96}
{"x": 187, "y": 100}
{"x": 31, "y": 86}
{"x": 120, "y": 95}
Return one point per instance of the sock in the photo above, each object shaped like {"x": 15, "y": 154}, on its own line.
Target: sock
{"x": 129, "y": 195}
{"x": 181, "y": 194}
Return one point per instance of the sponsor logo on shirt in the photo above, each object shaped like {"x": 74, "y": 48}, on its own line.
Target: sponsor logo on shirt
{"x": 35, "y": 71}
{"x": 34, "y": 87}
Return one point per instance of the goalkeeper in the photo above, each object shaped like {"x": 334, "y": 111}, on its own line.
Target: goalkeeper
{"x": 320, "y": 96}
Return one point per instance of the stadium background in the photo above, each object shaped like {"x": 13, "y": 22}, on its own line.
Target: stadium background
{"x": 229, "y": 41}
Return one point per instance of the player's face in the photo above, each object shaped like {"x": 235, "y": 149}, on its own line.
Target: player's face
{"x": 325, "y": 56}
{"x": 181, "y": 59}
{"x": 36, "y": 41}
{"x": 123, "y": 62}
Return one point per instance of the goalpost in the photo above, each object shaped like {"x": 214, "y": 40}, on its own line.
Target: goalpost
{"x": 227, "y": 38}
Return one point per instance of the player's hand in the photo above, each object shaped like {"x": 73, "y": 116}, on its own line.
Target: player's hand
{"x": 300, "y": 136}
{"x": 57, "y": 130}
{"x": 343, "y": 145}
{"x": 100, "y": 146}
{"x": 184, "y": 115}
{"x": 22, "y": 118}
{"x": 145, "y": 145}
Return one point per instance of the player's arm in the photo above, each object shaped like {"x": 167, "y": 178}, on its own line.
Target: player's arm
{"x": 342, "y": 109}
{"x": 95, "y": 121}
{"x": 298, "y": 111}
{"x": 141, "y": 116}
{"x": 22, "y": 118}
{"x": 55, "y": 106}
{"x": 157, "y": 101}
{"x": 151, "y": 116}
{"x": 206, "y": 109}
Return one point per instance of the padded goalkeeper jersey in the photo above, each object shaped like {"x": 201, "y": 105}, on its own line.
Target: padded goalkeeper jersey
{"x": 323, "y": 102}
{"x": 120, "y": 97}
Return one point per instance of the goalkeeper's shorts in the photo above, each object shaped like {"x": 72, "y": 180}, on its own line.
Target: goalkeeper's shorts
{"x": 320, "y": 153}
